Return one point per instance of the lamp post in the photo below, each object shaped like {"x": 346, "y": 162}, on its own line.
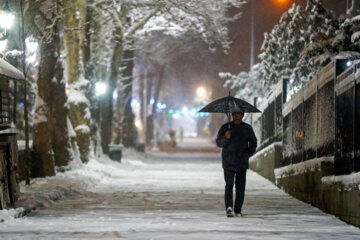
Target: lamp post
{"x": 100, "y": 89}
{"x": 202, "y": 94}
{"x": 252, "y": 41}
{"x": 353, "y": 7}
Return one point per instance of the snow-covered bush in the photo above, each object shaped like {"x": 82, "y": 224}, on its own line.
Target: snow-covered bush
{"x": 247, "y": 84}
{"x": 300, "y": 43}
{"x": 297, "y": 46}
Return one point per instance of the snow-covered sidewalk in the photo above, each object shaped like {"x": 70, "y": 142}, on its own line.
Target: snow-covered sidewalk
{"x": 167, "y": 199}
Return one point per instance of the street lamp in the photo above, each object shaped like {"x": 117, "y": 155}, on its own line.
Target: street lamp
{"x": 7, "y": 18}
{"x": 100, "y": 89}
{"x": 201, "y": 92}
{"x": 115, "y": 95}
{"x": 282, "y": 1}
{"x": 349, "y": 63}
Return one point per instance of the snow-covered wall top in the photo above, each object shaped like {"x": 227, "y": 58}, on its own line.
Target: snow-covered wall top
{"x": 298, "y": 98}
{"x": 323, "y": 76}
{"x": 299, "y": 168}
{"x": 270, "y": 149}
{"x": 9, "y": 71}
{"x": 287, "y": 108}
{"x": 347, "y": 180}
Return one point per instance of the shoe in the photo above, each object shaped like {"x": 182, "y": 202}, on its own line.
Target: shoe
{"x": 238, "y": 215}
{"x": 229, "y": 212}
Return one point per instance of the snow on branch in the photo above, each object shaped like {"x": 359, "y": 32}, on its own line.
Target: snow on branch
{"x": 141, "y": 23}
{"x": 76, "y": 94}
{"x": 246, "y": 84}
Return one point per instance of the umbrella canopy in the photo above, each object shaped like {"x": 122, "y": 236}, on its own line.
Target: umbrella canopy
{"x": 229, "y": 105}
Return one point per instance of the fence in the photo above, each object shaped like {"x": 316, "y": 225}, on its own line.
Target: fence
{"x": 347, "y": 116}
{"x": 268, "y": 127}
{"x": 321, "y": 119}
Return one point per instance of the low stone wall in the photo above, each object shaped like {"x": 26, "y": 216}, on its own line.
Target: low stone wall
{"x": 337, "y": 198}
{"x": 312, "y": 182}
{"x": 265, "y": 161}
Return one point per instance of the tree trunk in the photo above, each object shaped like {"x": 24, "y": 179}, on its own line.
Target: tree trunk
{"x": 43, "y": 164}
{"x": 79, "y": 113}
{"x": 60, "y": 140}
{"x": 94, "y": 67}
{"x": 151, "y": 125}
{"x": 50, "y": 125}
{"x": 129, "y": 133}
{"x": 141, "y": 95}
{"x": 125, "y": 129}
{"x": 106, "y": 102}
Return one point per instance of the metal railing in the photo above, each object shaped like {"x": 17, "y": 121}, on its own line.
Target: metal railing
{"x": 321, "y": 119}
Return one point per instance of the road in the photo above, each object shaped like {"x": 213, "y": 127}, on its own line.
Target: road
{"x": 168, "y": 198}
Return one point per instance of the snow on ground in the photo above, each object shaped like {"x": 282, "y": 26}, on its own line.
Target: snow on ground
{"x": 10, "y": 214}
{"x": 157, "y": 198}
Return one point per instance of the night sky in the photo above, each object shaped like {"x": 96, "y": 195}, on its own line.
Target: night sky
{"x": 267, "y": 14}
{"x": 190, "y": 72}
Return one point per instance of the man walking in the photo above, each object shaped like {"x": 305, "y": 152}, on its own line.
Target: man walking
{"x": 238, "y": 143}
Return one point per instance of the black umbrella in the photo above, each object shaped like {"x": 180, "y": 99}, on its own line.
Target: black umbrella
{"x": 229, "y": 105}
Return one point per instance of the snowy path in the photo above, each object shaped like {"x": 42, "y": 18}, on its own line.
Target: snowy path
{"x": 142, "y": 199}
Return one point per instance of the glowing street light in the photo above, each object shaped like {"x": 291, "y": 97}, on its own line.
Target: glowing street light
{"x": 100, "y": 88}
{"x": 282, "y": 1}
{"x": 201, "y": 92}
{"x": 138, "y": 124}
{"x": 115, "y": 95}
{"x": 349, "y": 63}
{"x": 6, "y": 20}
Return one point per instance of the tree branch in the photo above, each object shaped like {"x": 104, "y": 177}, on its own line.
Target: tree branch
{"x": 141, "y": 24}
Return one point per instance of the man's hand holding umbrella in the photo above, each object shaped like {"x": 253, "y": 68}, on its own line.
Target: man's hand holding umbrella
{"x": 228, "y": 134}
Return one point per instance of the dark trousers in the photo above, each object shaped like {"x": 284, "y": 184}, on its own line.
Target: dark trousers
{"x": 240, "y": 181}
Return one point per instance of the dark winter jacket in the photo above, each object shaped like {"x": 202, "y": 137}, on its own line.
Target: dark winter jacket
{"x": 236, "y": 150}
